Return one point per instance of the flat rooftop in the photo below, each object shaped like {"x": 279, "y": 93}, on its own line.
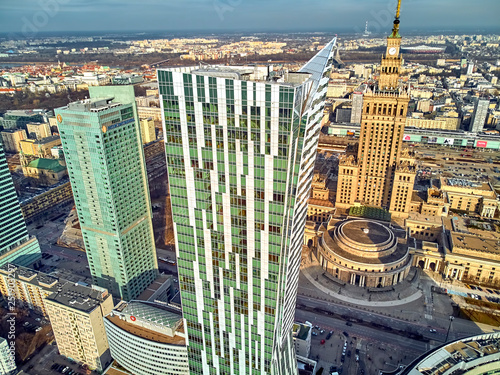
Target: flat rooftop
{"x": 33, "y": 277}
{"x": 255, "y": 73}
{"x": 79, "y": 297}
{"x": 474, "y": 243}
{"x": 434, "y": 220}
{"x": 461, "y": 183}
{"x": 91, "y": 105}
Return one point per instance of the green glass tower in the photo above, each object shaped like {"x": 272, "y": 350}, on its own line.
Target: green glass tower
{"x": 241, "y": 146}
{"x": 16, "y": 246}
{"x": 105, "y": 160}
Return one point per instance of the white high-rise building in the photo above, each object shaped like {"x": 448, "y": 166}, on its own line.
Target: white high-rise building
{"x": 479, "y": 115}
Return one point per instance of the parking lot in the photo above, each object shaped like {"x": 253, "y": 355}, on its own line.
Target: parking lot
{"x": 353, "y": 354}
{"x": 49, "y": 362}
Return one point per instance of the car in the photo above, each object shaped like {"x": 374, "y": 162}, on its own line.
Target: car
{"x": 54, "y": 365}
{"x": 348, "y": 353}
{"x": 314, "y": 333}
{"x": 348, "y": 323}
{"x": 323, "y": 342}
{"x": 345, "y": 334}
{"x": 329, "y": 335}
{"x": 322, "y": 331}
{"x": 432, "y": 330}
{"x": 489, "y": 290}
{"x": 479, "y": 288}
{"x": 38, "y": 319}
{"x": 357, "y": 358}
{"x": 467, "y": 286}
{"x": 317, "y": 327}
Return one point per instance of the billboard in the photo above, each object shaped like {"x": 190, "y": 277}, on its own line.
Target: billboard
{"x": 448, "y": 141}
{"x": 432, "y": 140}
{"x": 406, "y": 137}
{"x": 482, "y": 143}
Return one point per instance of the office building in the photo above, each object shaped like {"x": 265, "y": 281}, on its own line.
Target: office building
{"x": 38, "y": 130}
{"x": 16, "y": 245}
{"x": 357, "y": 107}
{"x": 241, "y": 146}
{"x": 381, "y": 175}
{"x": 105, "y": 162}
{"x": 12, "y": 138}
{"x": 147, "y": 338}
{"x": 7, "y": 359}
{"x": 76, "y": 315}
{"x": 148, "y": 132}
{"x": 479, "y": 115}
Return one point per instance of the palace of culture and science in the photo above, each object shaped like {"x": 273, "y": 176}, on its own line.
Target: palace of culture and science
{"x": 381, "y": 174}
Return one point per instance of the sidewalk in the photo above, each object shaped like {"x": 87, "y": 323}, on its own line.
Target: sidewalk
{"x": 361, "y": 302}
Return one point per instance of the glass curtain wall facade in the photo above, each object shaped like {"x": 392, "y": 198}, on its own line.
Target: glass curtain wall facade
{"x": 240, "y": 157}
{"x": 16, "y": 246}
{"x": 105, "y": 160}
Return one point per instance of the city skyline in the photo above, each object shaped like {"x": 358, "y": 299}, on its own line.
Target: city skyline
{"x": 199, "y": 15}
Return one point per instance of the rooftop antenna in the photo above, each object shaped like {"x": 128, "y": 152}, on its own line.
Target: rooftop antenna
{"x": 395, "y": 28}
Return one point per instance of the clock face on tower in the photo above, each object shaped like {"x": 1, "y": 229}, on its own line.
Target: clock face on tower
{"x": 392, "y": 51}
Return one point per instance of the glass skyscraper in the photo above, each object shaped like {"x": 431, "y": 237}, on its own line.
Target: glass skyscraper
{"x": 16, "y": 246}
{"x": 105, "y": 160}
{"x": 241, "y": 146}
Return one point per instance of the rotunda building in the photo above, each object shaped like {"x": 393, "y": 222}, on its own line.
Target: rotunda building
{"x": 364, "y": 252}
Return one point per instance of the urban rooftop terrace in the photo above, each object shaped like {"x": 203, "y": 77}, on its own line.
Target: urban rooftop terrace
{"x": 91, "y": 105}
{"x": 248, "y": 73}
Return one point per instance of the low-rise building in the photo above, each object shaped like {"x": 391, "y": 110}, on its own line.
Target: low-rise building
{"x": 470, "y": 355}
{"x": 40, "y": 147}
{"x": 35, "y": 206}
{"x": 424, "y": 227}
{"x": 46, "y": 172}
{"x": 302, "y": 334}
{"x": 470, "y": 196}
{"x": 147, "y": 338}
{"x": 443, "y": 123}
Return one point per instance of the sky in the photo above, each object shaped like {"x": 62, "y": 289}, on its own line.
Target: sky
{"x": 29, "y": 17}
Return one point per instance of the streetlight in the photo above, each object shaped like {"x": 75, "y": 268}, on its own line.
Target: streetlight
{"x": 449, "y": 326}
